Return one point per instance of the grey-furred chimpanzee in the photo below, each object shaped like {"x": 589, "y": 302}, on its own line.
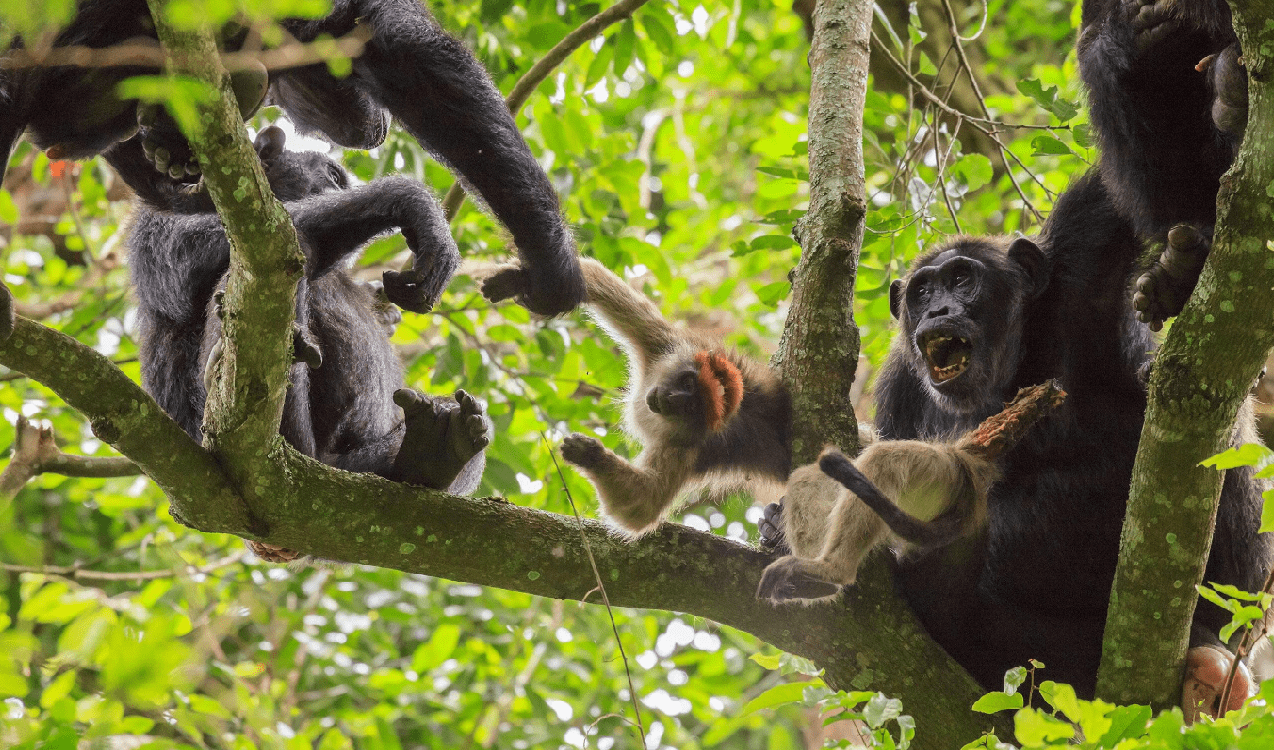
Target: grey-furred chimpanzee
{"x": 1168, "y": 100}
{"x": 981, "y": 318}
{"x": 345, "y": 393}
{"x": 410, "y": 69}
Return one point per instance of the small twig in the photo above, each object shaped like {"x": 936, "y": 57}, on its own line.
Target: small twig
{"x": 543, "y": 67}
{"x": 588, "y": 549}
{"x": 291, "y": 55}
{"x": 76, "y": 573}
{"x": 1245, "y": 645}
{"x": 35, "y": 452}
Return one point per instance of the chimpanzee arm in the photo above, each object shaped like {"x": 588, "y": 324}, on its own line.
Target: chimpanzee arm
{"x": 334, "y": 225}
{"x": 176, "y": 261}
{"x": 443, "y": 97}
{"x": 12, "y": 117}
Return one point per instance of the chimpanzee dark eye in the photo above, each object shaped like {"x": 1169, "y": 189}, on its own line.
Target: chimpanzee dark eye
{"x": 335, "y": 174}
{"x": 961, "y": 278}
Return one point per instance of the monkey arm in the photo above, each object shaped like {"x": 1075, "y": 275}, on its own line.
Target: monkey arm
{"x": 335, "y": 225}
{"x": 635, "y": 496}
{"x": 627, "y": 314}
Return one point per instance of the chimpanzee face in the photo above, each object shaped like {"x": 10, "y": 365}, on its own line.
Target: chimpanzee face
{"x": 295, "y": 175}
{"x": 962, "y": 311}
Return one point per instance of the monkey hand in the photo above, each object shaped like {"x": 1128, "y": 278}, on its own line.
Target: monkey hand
{"x": 791, "y": 578}
{"x": 542, "y": 292}
{"x": 1228, "y": 77}
{"x": 583, "y": 451}
{"x": 770, "y": 528}
{"x": 270, "y": 552}
{"x": 413, "y": 290}
{"x": 1207, "y": 668}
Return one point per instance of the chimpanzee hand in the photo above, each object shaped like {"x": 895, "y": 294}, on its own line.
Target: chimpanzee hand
{"x": 413, "y": 290}
{"x": 162, "y": 142}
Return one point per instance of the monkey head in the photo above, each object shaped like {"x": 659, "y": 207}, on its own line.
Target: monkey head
{"x": 961, "y": 310}
{"x": 698, "y": 393}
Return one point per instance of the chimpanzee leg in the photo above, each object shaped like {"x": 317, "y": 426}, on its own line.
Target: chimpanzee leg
{"x": 318, "y": 102}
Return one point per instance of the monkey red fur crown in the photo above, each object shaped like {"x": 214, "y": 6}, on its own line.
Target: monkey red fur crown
{"x": 721, "y": 385}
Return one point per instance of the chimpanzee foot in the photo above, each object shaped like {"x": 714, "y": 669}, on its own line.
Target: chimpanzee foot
{"x": 304, "y": 349}
{"x": 1163, "y": 290}
{"x": 1152, "y": 20}
{"x": 442, "y": 436}
{"x": 271, "y": 553}
{"x": 1227, "y": 77}
{"x": 1206, "y": 671}
{"x": 770, "y": 528}
{"x": 163, "y": 144}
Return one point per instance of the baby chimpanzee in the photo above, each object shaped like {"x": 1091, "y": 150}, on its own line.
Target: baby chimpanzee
{"x": 344, "y": 398}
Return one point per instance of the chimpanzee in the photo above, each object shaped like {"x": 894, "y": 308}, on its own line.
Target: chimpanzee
{"x": 1168, "y": 100}
{"x": 981, "y": 318}
{"x": 409, "y": 68}
{"x": 340, "y": 405}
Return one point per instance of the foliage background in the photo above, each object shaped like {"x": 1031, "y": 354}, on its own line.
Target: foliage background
{"x": 676, "y": 141}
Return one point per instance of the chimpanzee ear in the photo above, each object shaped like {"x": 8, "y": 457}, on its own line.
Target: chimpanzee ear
{"x": 895, "y": 297}
{"x": 1035, "y": 265}
{"x": 269, "y": 143}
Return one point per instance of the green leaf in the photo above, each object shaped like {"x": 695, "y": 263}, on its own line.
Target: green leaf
{"x": 1126, "y": 722}
{"x": 995, "y": 702}
{"x": 1248, "y": 454}
{"x": 1047, "y": 145}
{"x": 974, "y": 170}
{"x": 767, "y": 661}
{"x": 1034, "y": 727}
{"x": 772, "y": 294}
{"x": 779, "y": 695}
{"x": 1083, "y": 135}
{"x": 659, "y": 29}
{"x": 8, "y": 209}
{"x": 881, "y": 709}
{"x": 1267, "y": 511}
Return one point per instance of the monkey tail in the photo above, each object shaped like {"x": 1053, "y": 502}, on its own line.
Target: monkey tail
{"x": 942, "y": 530}
{"x": 625, "y": 313}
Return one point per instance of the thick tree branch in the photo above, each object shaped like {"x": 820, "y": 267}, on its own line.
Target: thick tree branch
{"x": 123, "y": 415}
{"x": 1201, "y": 377}
{"x": 245, "y": 406}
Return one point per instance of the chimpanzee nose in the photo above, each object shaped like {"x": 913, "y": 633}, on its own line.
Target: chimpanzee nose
{"x": 939, "y": 312}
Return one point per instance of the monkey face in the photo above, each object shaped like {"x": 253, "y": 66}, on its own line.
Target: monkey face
{"x": 677, "y": 397}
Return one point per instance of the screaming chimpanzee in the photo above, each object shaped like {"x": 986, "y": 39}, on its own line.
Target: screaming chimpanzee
{"x": 340, "y": 407}
{"x": 981, "y": 318}
{"x": 425, "y": 79}
{"x": 1168, "y": 99}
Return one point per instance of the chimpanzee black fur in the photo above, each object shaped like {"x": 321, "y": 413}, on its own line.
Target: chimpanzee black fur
{"x": 1037, "y": 587}
{"x": 1168, "y": 100}
{"x": 341, "y": 407}
{"x": 410, "y": 69}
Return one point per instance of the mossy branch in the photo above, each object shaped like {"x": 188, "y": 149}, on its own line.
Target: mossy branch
{"x": 1202, "y": 375}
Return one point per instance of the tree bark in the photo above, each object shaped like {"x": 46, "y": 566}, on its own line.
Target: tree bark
{"x": 1202, "y": 374}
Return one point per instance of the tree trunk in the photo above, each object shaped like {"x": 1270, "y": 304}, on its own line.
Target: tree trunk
{"x": 1202, "y": 374}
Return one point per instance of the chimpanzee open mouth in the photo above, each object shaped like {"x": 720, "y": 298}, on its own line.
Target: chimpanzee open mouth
{"x": 947, "y": 355}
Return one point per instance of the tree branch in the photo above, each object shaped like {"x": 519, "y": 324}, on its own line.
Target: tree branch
{"x": 1201, "y": 377}
{"x": 36, "y": 452}
{"x": 127, "y": 418}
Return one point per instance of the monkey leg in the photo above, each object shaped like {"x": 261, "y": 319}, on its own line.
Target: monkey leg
{"x": 1163, "y": 290}
{"x": 793, "y": 578}
{"x": 1207, "y": 668}
{"x": 444, "y": 440}
{"x": 635, "y": 497}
